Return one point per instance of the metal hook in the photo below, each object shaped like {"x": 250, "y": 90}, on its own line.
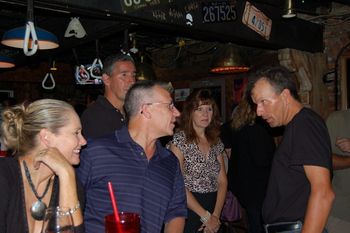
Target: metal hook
{"x": 96, "y": 65}
{"x": 34, "y": 44}
{"x": 48, "y": 75}
{"x": 30, "y": 30}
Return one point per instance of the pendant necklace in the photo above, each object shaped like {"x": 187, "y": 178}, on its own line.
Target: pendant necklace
{"x": 38, "y": 208}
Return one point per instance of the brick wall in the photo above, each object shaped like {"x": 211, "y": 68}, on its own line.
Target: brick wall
{"x": 336, "y": 36}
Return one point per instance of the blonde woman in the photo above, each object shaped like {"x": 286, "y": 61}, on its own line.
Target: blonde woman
{"x": 45, "y": 140}
{"x": 200, "y": 152}
{"x": 252, "y": 148}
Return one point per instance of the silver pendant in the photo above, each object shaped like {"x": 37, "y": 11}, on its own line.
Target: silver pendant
{"x": 38, "y": 210}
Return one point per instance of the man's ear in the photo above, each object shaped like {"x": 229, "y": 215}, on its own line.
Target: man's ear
{"x": 106, "y": 79}
{"x": 286, "y": 95}
{"x": 45, "y": 136}
{"x": 144, "y": 112}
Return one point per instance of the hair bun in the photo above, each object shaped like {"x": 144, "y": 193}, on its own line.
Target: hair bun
{"x": 13, "y": 116}
{"x": 12, "y": 125}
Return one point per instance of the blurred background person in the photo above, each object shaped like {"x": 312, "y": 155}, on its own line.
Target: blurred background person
{"x": 339, "y": 132}
{"x": 200, "y": 151}
{"x": 106, "y": 114}
{"x": 45, "y": 138}
{"x": 252, "y": 149}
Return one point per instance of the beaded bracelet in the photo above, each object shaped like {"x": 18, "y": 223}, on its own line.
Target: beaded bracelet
{"x": 71, "y": 211}
{"x": 205, "y": 218}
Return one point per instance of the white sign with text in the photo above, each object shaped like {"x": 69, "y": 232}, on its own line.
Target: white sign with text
{"x": 257, "y": 20}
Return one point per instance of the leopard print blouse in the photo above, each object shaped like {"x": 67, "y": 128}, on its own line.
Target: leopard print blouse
{"x": 200, "y": 173}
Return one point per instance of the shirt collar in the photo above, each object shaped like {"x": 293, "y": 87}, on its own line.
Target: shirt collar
{"x": 122, "y": 135}
{"x": 104, "y": 101}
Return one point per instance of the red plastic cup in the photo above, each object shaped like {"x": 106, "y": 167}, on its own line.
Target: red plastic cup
{"x": 3, "y": 153}
{"x": 130, "y": 223}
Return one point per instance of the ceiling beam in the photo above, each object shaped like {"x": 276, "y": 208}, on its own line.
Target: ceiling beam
{"x": 171, "y": 18}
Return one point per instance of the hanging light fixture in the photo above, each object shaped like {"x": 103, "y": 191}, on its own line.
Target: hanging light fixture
{"x": 30, "y": 38}
{"x": 6, "y": 62}
{"x": 230, "y": 61}
{"x": 288, "y": 11}
{"x": 144, "y": 71}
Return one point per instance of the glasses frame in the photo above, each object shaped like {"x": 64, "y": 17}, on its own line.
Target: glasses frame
{"x": 171, "y": 105}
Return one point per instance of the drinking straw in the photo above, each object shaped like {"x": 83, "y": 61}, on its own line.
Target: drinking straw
{"x": 115, "y": 209}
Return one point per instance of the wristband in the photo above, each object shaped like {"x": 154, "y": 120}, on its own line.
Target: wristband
{"x": 205, "y": 218}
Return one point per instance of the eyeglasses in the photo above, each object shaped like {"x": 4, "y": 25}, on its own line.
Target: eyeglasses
{"x": 170, "y": 105}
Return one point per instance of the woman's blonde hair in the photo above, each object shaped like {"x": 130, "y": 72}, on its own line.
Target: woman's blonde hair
{"x": 244, "y": 113}
{"x": 22, "y": 123}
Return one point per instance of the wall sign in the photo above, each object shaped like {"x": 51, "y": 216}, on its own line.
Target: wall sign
{"x": 256, "y": 20}
{"x": 218, "y": 11}
{"x": 129, "y": 6}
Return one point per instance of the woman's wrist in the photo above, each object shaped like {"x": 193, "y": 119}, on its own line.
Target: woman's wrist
{"x": 66, "y": 173}
{"x": 205, "y": 218}
{"x": 216, "y": 218}
{"x": 70, "y": 211}
{"x": 215, "y": 215}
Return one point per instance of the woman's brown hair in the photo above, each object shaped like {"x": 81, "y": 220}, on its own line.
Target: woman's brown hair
{"x": 194, "y": 100}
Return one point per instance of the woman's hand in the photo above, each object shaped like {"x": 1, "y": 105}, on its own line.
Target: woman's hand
{"x": 54, "y": 159}
{"x": 212, "y": 225}
{"x": 68, "y": 196}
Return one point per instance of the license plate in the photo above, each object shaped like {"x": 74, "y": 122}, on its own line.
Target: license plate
{"x": 257, "y": 20}
{"x": 218, "y": 11}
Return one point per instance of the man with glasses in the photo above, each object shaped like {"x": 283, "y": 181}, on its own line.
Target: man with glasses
{"x": 146, "y": 176}
{"x": 299, "y": 195}
{"x": 106, "y": 114}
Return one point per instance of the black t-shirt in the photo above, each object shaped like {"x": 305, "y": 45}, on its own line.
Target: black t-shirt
{"x": 305, "y": 142}
{"x": 101, "y": 119}
{"x": 226, "y": 134}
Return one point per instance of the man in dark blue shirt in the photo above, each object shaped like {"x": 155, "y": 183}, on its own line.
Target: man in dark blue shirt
{"x": 146, "y": 177}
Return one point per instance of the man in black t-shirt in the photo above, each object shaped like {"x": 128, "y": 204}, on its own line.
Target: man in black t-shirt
{"x": 106, "y": 114}
{"x": 299, "y": 189}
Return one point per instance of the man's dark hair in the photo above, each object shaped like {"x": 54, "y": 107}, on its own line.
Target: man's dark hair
{"x": 109, "y": 62}
{"x": 278, "y": 77}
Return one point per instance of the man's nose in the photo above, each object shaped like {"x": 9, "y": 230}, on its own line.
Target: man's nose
{"x": 176, "y": 112}
{"x": 259, "y": 110}
{"x": 131, "y": 79}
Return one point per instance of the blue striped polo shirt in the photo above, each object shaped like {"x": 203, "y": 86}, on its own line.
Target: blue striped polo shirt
{"x": 154, "y": 189}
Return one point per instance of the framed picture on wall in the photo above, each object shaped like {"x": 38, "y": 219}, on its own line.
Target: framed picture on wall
{"x": 181, "y": 94}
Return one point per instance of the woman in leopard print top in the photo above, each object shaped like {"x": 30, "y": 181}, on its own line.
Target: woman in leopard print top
{"x": 200, "y": 152}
